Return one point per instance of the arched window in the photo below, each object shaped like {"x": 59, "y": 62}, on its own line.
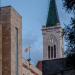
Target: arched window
{"x": 52, "y": 46}
{"x": 52, "y": 51}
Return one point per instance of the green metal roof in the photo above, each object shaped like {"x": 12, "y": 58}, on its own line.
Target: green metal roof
{"x": 52, "y": 18}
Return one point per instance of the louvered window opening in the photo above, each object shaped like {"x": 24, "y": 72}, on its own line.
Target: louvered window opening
{"x": 52, "y": 52}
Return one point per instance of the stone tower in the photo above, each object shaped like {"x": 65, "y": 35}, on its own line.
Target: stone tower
{"x": 53, "y": 46}
{"x": 10, "y": 41}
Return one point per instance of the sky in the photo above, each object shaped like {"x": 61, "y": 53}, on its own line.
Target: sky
{"x": 34, "y": 15}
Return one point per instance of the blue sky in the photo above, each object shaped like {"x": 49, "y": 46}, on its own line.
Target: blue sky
{"x": 34, "y": 16}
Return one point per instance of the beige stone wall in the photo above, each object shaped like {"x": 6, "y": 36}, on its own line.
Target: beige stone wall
{"x": 6, "y": 41}
{"x": 16, "y": 22}
{"x": 10, "y": 19}
{"x": 6, "y": 50}
{"x": 0, "y": 49}
{"x": 54, "y": 33}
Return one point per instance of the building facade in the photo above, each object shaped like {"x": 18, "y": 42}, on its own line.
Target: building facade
{"x": 29, "y": 69}
{"x": 53, "y": 42}
{"x": 57, "y": 67}
{"x": 54, "y": 62}
{"x": 10, "y": 41}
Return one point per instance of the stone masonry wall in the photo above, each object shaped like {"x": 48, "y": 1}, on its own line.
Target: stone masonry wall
{"x": 0, "y": 49}
{"x": 16, "y": 22}
{"x": 9, "y": 20}
{"x": 6, "y": 41}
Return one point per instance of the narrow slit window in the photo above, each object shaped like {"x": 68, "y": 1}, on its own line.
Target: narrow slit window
{"x": 48, "y": 51}
{"x": 51, "y": 52}
{"x": 54, "y": 51}
{"x": 16, "y": 51}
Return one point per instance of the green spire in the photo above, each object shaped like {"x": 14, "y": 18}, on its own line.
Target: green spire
{"x": 52, "y": 18}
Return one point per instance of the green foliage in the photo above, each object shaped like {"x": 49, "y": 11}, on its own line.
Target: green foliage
{"x": 70, "y": 29}
{"x": 69, "y": 4}
{"x": 70, "y": 60}
{"x": 70, "y": 33}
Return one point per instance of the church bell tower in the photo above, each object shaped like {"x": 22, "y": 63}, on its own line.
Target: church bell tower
{"x": 53, "y": 42}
